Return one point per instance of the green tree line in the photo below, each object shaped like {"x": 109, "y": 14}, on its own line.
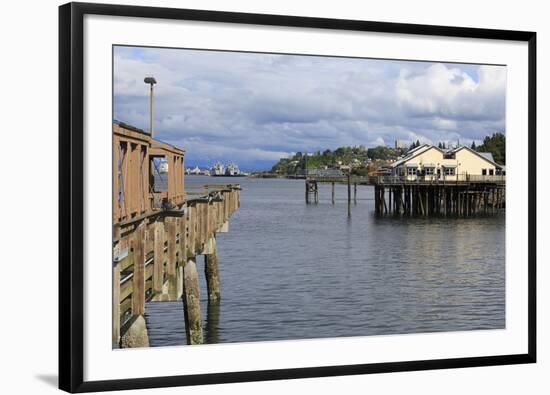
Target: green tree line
{"x": 496, "y": 145}
{"x": 360, "y": 155}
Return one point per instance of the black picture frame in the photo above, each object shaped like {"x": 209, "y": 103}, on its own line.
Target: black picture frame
{"x": 71, "y": 197}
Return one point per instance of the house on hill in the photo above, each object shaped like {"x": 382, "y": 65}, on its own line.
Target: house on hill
{"x": 430, "y": 163}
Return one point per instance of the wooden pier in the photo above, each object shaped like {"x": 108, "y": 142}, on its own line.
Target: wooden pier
{"x": 158, "y": 234}
{"x": 312, "y": 187}
{"x": 465, "y": 196}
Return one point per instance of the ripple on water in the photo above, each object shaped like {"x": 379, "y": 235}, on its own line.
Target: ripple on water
{"x": 296, "y": 271}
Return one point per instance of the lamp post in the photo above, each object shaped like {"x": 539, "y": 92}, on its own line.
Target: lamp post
{"x": 151, "y": 81}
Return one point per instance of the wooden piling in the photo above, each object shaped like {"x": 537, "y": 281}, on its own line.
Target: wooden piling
{"x": 116, "y": 304}
{"x": 138, "y": 286}
{"x": 191, "y": 303}
{"x": 179, "y": 280}
{"x": 184, "y": 238}
{"x": 191, "y": 228}
{"x": 333, "y": 193}
{"x": 158, "y": 257}
{"x": 349, "y": 194}
{"x": 171, "y": 262}
{"x": 212, "y": 273}
{"x": 316, "y": 193}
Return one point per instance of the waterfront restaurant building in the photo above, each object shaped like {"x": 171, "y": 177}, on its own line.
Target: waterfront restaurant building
{"x": 430, "y": 163}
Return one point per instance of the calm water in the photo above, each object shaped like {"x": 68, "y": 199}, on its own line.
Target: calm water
{"x": 294, "y": 271}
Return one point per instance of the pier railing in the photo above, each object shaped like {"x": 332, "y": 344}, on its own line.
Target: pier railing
{"x": 150, "y": 254}
{"x": 435, "y": 179}
{"x": 412, "y": 179}
{"x": 341, "y": 179}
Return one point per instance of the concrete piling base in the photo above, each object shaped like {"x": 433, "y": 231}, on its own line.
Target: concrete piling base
{"x": 136, "y": 334}
{"x": 212, "y": 274}
{"x": 191, "y": 303}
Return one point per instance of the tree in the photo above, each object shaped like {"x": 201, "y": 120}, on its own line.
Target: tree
{"x": 496, "y": 145}
{"x": 414, "y": 145}
{"x": 473, "y": 146}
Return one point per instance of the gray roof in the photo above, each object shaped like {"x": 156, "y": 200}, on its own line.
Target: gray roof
{"x": 487, "y": 155}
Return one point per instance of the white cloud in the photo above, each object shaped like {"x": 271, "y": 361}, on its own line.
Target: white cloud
{"x": 256, "y": 108}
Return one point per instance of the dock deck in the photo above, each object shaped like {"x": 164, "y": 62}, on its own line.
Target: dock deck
{"x": 159, "y": 229}
{"x": 460, "y": 195}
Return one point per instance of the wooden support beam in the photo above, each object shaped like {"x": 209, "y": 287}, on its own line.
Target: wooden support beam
{"x": 171, "y": 261}
{"x": 349, "y": 195}
{"x": 419, "y": 197}
{"x": 138, "y": 285}
{"x": 179, "y": 280}
{"x": 377, "y": 199}
{"x": 212, "y": 272}
{"x": 116, "y": 304}
{"x": 191, "y": 226}
{"x": 158, "y": 257}
{"x": 427, "y": 195}
{"x": 191, "y": 303}
{"x": 316, "y": 193}
{"x": 183, "y": 238}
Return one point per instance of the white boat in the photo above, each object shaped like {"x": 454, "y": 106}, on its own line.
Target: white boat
{"x": 218, "y": 170}
{"x": 163, "y": 167}
{"x": 233, "y": 171}
{"x": 197, "y": 171}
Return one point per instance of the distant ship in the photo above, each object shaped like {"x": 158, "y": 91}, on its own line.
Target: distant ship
{"x": 163, "y": 167}
{"x": 218, "y": 170}
{"x": 232, "y": 170}
{"x": 197, "y": 172}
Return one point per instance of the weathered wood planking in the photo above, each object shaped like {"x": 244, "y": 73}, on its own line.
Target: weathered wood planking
{"x": 160, "y": 246}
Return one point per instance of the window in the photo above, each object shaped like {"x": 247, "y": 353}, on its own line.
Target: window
{"x": 411, "y": 171}
{"x": 449, "y": 171}
{"x": 159, "y": 174}
{"x": 429, "y": 171}
{"x": 483, "y": 172}
{"x": 491, "y": 172}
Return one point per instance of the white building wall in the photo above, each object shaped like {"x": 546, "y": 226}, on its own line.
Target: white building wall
{"x": 472, "y": 164}
{"x": 465, "y": 163}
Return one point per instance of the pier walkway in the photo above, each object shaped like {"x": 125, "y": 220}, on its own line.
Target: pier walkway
{"x": 158, "y": 234}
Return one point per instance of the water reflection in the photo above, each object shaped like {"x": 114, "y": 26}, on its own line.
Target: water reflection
{"x": 294, "y": 271}
{"x": 212, "y": 323}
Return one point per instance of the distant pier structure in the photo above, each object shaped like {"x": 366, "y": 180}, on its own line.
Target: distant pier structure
{"x": 159, "y": 229}
{"x": 429, "y": 181}
{"x": 465, "y": 196}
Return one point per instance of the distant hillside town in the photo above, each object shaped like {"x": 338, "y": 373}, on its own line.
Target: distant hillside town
{"x": 363, "y": 161}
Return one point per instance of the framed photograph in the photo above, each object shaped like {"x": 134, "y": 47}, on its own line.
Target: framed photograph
{"x": 251, "y": 197}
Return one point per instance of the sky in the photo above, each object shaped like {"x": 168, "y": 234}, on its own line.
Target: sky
{"x": 254, "y": 108}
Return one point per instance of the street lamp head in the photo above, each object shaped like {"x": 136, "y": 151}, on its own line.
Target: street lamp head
{"x": 150, "y": 80}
